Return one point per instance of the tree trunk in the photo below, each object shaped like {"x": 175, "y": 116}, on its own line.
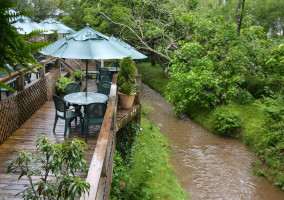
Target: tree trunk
{"x": 153, "y": 61}
{"x": 240, "y": 15}
{"x": 162, "y": 65}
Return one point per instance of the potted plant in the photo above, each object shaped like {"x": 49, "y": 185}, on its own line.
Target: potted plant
{"x": 61, "y": 84}
{"x": 77, "y": 75}
{"x": 126, "y": 83}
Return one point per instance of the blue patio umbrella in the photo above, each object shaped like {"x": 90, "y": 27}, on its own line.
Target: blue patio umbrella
{"x": 128, "y": 49}
{"x": 54, "y": 25}
{"x": 89, "y": 44}
{"x": 25, "y": 25}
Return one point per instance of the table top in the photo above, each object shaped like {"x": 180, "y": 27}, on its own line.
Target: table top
{"x": 80, "y": 98}
{"x": 113, "y": 69}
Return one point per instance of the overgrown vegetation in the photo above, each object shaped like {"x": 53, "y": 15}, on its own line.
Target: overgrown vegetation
{"x": 56, "y": 166}
{"x": 141, "y": 168}
{"x": 258, "y": 122}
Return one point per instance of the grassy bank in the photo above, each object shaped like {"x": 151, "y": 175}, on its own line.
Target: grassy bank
{"x": 258, "y": 123}
{"x": 142, "y": 170}
{"x": 153, "y": 76}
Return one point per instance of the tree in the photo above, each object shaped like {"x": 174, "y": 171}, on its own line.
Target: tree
{"x": 270, "y": 15}
{"x": 15, "y": 51}
{"x": 210, "y": 67}
{"x": 240, "y": 14}
{"x": 39, "y": 9}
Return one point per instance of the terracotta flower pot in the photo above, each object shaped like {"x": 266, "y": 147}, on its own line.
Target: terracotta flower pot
{"x": 125, "y": 100}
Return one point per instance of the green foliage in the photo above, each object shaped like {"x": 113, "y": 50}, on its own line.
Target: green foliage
{"x": 77, "y": 74}
{"x": 61, "y": 84}
{"x": 126, "y": 76}
{"x": 244, "y": 97}
{"x": 153, "y": 76}
{"x": 147, "y": 175}
{"x": 126, "y": 139}
{"x": 201, "y": 81}
{"x": 226, "y": 121}
{"x": 39, "y": 9}
{"x": 16, "y": 51}
{"x": 275, "y": 62}
{"x": 256, "y": 85}
{"x": 269, "y": 145}
{"x": 52, "y": 37}
{"x": 127, "y": 88}
{"x": 59, "y": 160}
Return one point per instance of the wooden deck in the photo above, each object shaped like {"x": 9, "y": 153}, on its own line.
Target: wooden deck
{"x": 41, "y": 123}
{"x": 24, "y": 138}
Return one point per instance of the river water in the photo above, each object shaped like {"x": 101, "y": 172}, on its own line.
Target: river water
{"x": 209, "y": 167}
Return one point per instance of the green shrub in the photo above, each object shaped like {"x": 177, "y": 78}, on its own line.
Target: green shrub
{"x": 126, "y": 76}
{"x": 256, "y": 85}
{"x": 244, "y": 97}
{"x": 61, "y": 84}
{"x": 77, "y": 75}
{"x": 226, "y": 121}
{"x": 127, "y": 88}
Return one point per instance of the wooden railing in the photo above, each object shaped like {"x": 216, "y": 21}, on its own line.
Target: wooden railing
{"x": 101, "y": 167}
{"x": 16, "y": 109}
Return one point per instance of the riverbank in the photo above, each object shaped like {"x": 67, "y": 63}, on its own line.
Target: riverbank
{"x": 141, "y": 165}
{"x": 255, "y": 130}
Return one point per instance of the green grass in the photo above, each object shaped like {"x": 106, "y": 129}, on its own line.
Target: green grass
{"x": 153, "y": 76}
{"x": 151, "y": 173}
{"x": 254, "y": 131}
{"x": 147, "y": 175}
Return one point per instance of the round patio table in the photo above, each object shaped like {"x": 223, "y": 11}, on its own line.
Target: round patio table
{"x": 80, "y": 98}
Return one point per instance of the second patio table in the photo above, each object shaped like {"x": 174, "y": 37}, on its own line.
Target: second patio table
{"x": 80, "y": 98}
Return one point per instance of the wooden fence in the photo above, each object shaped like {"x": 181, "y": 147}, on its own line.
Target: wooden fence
{"x": 16, "y": 109}
{"x": 101, "y": 167}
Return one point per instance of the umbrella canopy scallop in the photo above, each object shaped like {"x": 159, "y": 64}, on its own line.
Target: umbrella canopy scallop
{"x": 90, "y": 44}
{"x": 25, "y": 25}
{"x": 54, "y": 25}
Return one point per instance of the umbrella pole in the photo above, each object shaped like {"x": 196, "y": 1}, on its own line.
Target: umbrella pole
{"x": 86, "y": 78}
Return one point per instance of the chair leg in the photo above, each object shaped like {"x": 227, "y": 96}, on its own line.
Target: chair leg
{"x": 82, "y": 125}
{"x": 66, "y": 126}
{"x": 86, "y": 132}
{"x": 55, "y": 122}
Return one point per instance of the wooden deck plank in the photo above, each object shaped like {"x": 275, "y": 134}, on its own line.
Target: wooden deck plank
{"x": 41, "y": 123}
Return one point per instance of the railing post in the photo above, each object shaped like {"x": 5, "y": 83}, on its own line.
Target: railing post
{"x": 21, "y": 82}
{"x": 42, "y": 70}
{"x": 58, "y": 65}
{"x": 138, "y": 79}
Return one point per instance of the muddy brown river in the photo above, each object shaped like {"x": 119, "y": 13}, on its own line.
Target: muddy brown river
{"x": 209, "y": 167}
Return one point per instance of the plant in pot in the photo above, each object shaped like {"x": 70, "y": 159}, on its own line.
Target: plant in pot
{"x": 61, "y": 84}
{"x": 77, "y": 75}
{"x": 126, "y": 83}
